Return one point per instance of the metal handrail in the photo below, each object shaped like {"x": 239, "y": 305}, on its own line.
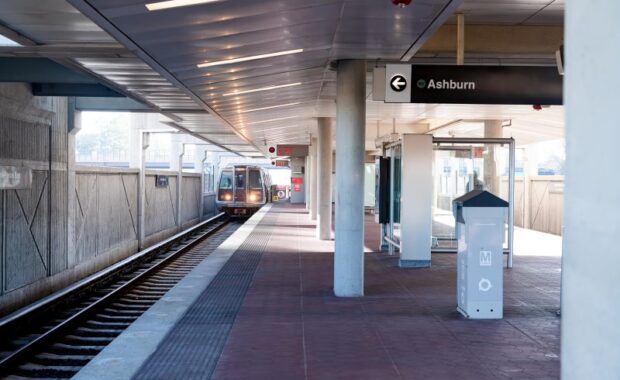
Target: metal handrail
{"x": 392, "y": 242}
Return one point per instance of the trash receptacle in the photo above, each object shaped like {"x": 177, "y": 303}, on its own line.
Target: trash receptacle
{"x": 480, "y": 229}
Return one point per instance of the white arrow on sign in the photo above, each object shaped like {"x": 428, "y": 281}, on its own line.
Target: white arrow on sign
{"x": 398, "y": 83}
{"x": 397, "y": 77}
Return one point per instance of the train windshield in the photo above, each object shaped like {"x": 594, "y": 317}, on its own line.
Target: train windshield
{"x": 240, "y": 180}
{"x": 255, "y": 180}
{"x": 226, "y": 180}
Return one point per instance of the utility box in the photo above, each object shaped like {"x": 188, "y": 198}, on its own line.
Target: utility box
{"x": 298, "y": 189}
{"x": 480, "y": 230}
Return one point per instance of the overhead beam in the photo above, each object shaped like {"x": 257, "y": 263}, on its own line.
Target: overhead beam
{"x": 199, "y": 136}
{"x": 73, "y": 89}
{"x": 503, "y": 40}
{"x": 110, "y": 104}
{"x": 431, "y": 28}
{"x": 39, "y": 70}
{"x": 15, "y": 36}
{"x": 73, "y": 50}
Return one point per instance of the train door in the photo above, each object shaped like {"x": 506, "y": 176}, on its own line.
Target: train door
{"x": 240, "y": 181}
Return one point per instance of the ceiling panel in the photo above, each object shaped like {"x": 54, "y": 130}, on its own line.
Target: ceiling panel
{"x": 165, "y": 48}
{"x": 516, "y": 12}
{"x": 180, "y": 39}
{"x": 50, "y": 21}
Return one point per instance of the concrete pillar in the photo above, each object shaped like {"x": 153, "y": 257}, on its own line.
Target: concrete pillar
{"x": 416, "y": 209}
{"x": 176, "y": 147}
{"x": 492, "y": 129}
{"x": 590, "y": 261}
{"x": 145, "y": 139}
{"x": 74, "y": 124}
{"x": 324, "y": 179}
{"x": 200, "y": 152}
{"x": 137, "y": 122}
{"x": 350, "y": 145}
{"x": 460, "y": 39}
{"x": 180, "y": 186}
{"x": 203, "y": 164}
{"x": 307, "y": 181}
{"x": 313, "y": 179}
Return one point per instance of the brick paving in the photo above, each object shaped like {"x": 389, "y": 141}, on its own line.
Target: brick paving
{"x": 290, "y": 326}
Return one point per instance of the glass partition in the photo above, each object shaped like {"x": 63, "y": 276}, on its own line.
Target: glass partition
{"x": 395, "y": 177}
{"x": 458, "y": 169}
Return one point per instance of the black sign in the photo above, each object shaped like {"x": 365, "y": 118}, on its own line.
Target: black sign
{"x": 161, "y": 181}
{"x": 398, "y": 83}
{"x": 486, "y": 85}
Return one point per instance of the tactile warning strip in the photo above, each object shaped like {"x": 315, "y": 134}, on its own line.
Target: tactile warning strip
{"x": 192, "y": 348}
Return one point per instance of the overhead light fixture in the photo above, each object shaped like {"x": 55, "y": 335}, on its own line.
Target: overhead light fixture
{"x": 270, "y": 120}
{"x": 263, "y": 89}
{"x": 250, "y": 58}
{"x": 272, "y": 107}
{"x": 175, "y": 4}
{"x": 5, "y": 41}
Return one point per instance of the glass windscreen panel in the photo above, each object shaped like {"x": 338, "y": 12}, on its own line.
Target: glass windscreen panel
{"x": 255, "y": 185}
{"x": 458, "y": 169}
{"x": 240, "y": 184}
{"x": 226, "y": 186}
{"x": 396, "y": 189}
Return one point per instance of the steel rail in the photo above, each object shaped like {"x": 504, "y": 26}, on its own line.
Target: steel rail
{"x": 10, "y": 362}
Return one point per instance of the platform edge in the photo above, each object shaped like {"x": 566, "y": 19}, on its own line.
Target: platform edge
{"x": 125, "y": 355}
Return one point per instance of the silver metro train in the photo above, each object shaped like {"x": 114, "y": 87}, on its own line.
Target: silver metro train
{"x": 243, "y": 189}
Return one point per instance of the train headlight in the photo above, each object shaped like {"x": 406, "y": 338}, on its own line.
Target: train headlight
{"x": 253, "y": 197}
{"x": 227, "y": 197}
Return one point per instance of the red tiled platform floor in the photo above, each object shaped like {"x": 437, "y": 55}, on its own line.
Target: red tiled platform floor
{"x": 292, "y": 327}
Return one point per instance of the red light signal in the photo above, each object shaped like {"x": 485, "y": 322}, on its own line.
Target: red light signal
{"x": 272, "y": 149}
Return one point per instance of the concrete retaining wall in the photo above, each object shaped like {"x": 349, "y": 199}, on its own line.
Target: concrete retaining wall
{"x": 73, "y": 221}
{"x": 33, "y": 222}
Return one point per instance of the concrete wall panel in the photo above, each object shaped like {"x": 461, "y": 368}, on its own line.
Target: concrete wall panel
{"x": 36, "y": 256}
{"x": 85, "y": 218}
{"x": 209, "y": 208}
{"x": 33, "y": 134}
{"x": 160, "y": 205}
{"x": 190, "y": 199}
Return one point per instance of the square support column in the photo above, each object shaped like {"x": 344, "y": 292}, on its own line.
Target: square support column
{"x": 324, "y": 179}
{"x": 416, "y": 216}
{"x": 350, "y": 150}
{"x": 312, "y": 179}
{"x": 590, "y": 260}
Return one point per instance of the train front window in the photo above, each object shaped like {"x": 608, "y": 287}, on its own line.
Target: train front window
{"x": 255, "y": 180}
{"x": 240, "y": 180}
{"x": 226, "y": 181}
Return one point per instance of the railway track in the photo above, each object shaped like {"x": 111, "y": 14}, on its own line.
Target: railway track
{"x": 57, "y": 337}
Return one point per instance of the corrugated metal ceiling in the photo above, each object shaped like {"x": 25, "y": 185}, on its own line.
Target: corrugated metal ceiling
{"x": 164, "y": 49}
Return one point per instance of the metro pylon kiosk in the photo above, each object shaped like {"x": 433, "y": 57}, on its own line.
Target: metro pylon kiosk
{"x": 480, "y": 226}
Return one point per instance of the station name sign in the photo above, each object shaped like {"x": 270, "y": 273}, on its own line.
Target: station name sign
{"x": 406, "y": 83}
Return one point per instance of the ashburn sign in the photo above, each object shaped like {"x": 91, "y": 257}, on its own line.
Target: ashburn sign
{"x": 446, "y": 84}
{"x": 477, "y": 84}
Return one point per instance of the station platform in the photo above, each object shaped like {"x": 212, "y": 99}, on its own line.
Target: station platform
{"x": 270, "y": 313}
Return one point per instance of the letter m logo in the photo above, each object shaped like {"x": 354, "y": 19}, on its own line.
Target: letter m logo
{"x": 485, "y": 258}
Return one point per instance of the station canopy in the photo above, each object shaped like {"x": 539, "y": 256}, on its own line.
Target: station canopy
{"x": 252, "y": 74}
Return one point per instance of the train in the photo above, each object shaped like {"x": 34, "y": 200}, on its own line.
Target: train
{"x": 242, "y": 190}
